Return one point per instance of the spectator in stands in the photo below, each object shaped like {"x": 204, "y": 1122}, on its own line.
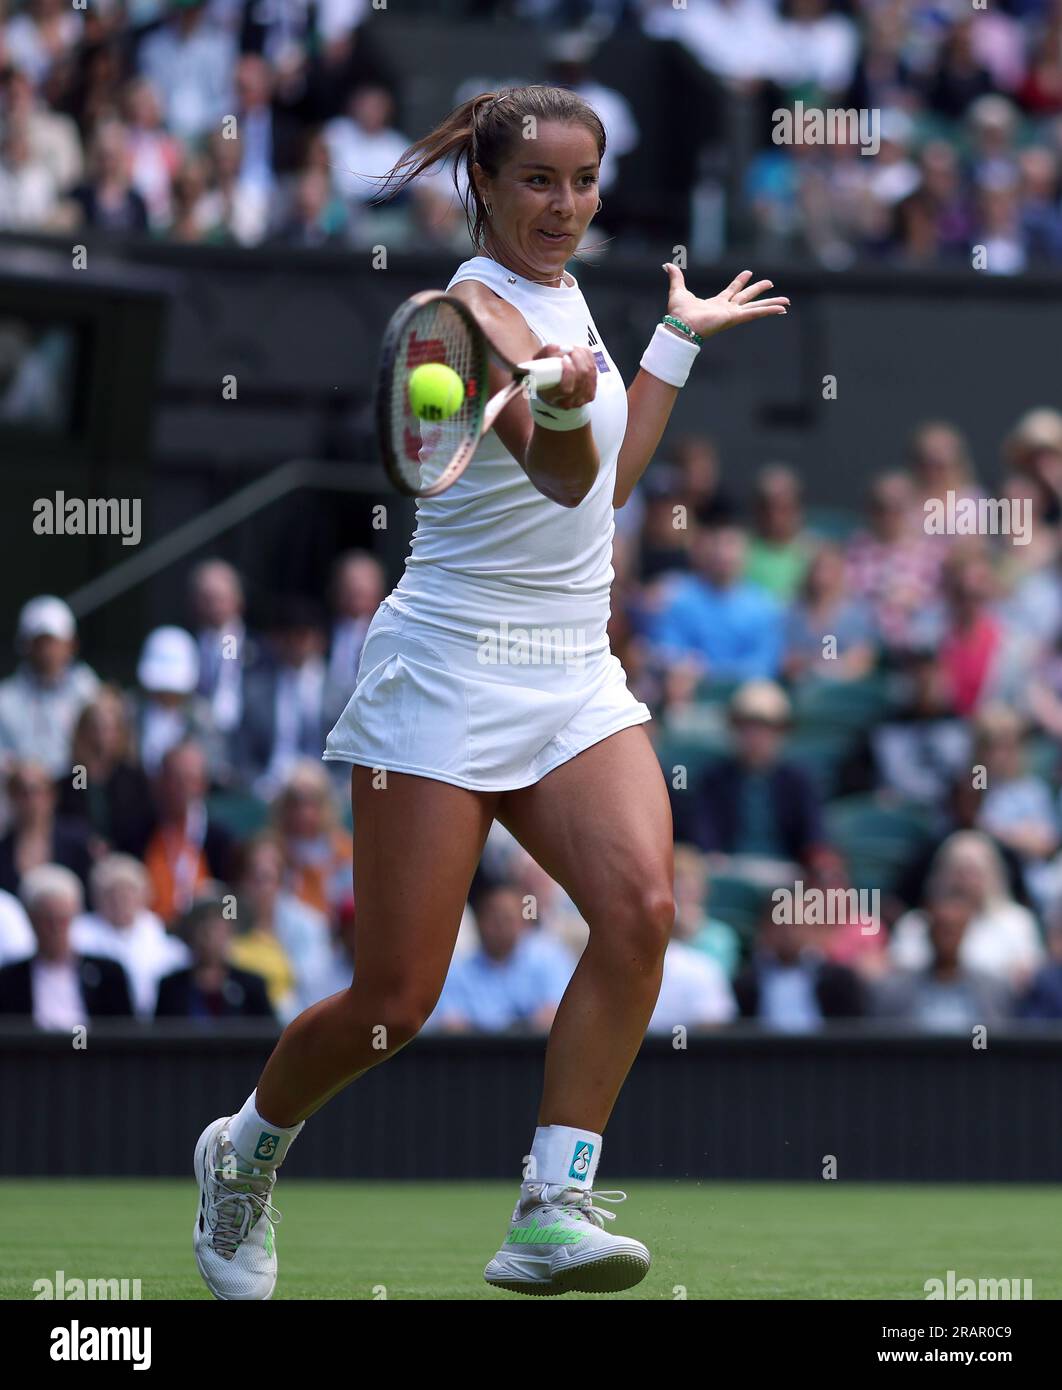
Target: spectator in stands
{"x": 40, "y": 703}
{"x": 107, "y": 200}
{"x": 998, "y": 225}
{"x": 189, "y": 61}
{"x": 514, "y": 982}
{"x": 168, "y": 710}
{"x": 570, "y": 56}
{"x": 779, "y": 550}
{"x": 694, "y": 992}
{"x": 957, "y": 77}
{"x": 789, "y": 985}
{"x": 1034, "y": 446}
{"x": 1045, "y": 692}
{"x": 730, "y": 628}
{"x": 185, "y": 847}
{"x": 201, "y": 213}
{"x": 947, "y": 995}
{"x": 959, "y": 812}
{"x": 122, "y": 928}
{"x": 1028, "y": 573}
{"x": 339, "y": 972}
{"x": 29, "y": 194}
{"x": 54, "y": 142}
{"x": 37, "y": 835}
{"x": 737, "y": 40}
{"x": 971, "y": 641}
{"x": 665, "y": 532}
{"x": 828, "y": 633}
{"x": 154, "y": 154}
{"x": 211, "y": 988}
{"x": 41, "y": 35}
{"x": 17, "y": 941}
{"x": 946, "y": 196}
{"x": 363, "y": 145}
{"x": 226, "y": 648}
{"x": 992, "y": 127}
{"x": 854, "y": 934}
{"x": 1018, "y": 809}
{"x": 702, "y": 493}
{"x": 316, "y": 217}
{"x": 941, "y": 464}
{"x": 1041, "y": 92}
{"x": 817, "y": 49}
{"x": 919, "y": 751}
{"x": 285, "y": 705}
{"x": 357, "y": 592}
{"x": 317, "y": 852}
{"x": 1002, "y": 938}
{"x": 752, "y": 805}
{"x": 105, "y": 791}
{"x": 1043, "y": 997}
{"x": 280, "y": 938}
{"x": 57, "y": 987}
{"x": 1041, "y": 204}
{"x": 694, "y": 925}
{"x": 893, "y": 566}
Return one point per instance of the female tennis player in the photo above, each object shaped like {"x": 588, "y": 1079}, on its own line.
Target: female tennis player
{"x": 553, "y": 749}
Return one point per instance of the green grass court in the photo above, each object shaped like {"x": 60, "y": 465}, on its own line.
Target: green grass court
{"x": 431, "y": 1240}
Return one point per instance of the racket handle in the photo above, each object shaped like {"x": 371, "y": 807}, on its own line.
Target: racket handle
{"x": 543, "y": 371}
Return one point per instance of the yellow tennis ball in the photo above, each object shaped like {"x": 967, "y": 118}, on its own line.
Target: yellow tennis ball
{"x": 435, "y": 391}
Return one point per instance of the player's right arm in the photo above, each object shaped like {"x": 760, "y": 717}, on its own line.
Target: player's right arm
{"x": 562, "y": 464}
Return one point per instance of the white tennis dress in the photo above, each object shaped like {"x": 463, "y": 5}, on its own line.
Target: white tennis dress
{"x": 489, "y": 663}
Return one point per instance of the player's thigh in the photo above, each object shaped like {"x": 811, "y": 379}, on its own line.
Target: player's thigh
{"x": 600, "y": 825}
{"x": 416, "y": 846}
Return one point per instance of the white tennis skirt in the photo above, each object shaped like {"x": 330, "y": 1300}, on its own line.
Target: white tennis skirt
{"x": 489, "y": 712}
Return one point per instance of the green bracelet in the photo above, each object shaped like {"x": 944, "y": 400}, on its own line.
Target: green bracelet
{"x": 683, "y": 328}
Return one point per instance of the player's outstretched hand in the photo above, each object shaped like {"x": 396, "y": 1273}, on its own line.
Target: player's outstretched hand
{"x": 732, "y": 305}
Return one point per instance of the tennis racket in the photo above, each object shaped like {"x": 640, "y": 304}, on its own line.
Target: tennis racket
{"x": 425, "y": 457}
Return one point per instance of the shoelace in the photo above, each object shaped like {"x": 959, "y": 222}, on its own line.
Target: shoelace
{"x": 583, "y": 1202}
{"x": 235, "y": 1215}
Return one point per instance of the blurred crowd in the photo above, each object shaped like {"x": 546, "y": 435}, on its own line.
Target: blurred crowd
{"x": 862, "y": 712}
{"x": 247, "y": 122}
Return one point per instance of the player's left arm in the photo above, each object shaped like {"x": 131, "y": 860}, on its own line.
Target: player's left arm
{"x": 650, "y": 400}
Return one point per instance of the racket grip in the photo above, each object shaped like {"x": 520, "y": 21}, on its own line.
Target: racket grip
{"x": 543, "y": 371}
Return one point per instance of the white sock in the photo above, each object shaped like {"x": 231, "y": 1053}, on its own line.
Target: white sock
{"x": 563, "y": 1156}
{"x": 259, "y": 1143}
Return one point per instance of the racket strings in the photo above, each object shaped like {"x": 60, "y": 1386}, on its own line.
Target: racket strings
{"x": 423, "y": 449}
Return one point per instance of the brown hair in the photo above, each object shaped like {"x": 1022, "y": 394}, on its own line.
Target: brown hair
{"x": 484, "y": 130}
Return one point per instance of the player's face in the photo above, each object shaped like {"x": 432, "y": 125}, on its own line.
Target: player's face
{"x": 548, "y": 185}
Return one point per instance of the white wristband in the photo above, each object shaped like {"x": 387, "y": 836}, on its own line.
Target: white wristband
{"x": 669, "y": 356}
{"x": 552, "y": 417}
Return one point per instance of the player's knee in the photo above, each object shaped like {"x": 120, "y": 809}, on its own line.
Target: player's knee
{"x": 393, "y": 1016}
{"x": 649, "y": 919}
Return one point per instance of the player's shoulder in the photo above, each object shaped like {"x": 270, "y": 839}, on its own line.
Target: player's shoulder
{"x": 483, "y": 300}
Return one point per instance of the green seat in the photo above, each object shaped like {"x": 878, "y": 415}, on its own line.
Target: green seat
{"x": 737, "y": 901}
{"x": 239, "y": 812}
{"x": 841, "y": 704}
{"x": 690, "y": 751}
{"x": 832, "y": 523}
{"x": 820, "y": 753}
{"x": 1042, "y": 757}
{"x": 877, "y": 839}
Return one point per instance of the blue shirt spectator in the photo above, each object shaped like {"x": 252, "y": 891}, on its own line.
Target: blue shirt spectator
{"x": 516, "y": 978}
{"x": 731, "y": 629}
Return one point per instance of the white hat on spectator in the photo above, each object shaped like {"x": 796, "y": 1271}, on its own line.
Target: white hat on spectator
{"x": 169, "y": 662}
{"x": 46, "y": 616}
{"x": 761, "y": 700}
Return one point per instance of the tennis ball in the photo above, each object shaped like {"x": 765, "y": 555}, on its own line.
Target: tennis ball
{"x": 435, "y": 391}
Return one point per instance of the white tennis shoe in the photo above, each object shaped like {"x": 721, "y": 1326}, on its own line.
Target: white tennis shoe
{"x": 557, "y": 1244}
{"x": 235, "y": 1247}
